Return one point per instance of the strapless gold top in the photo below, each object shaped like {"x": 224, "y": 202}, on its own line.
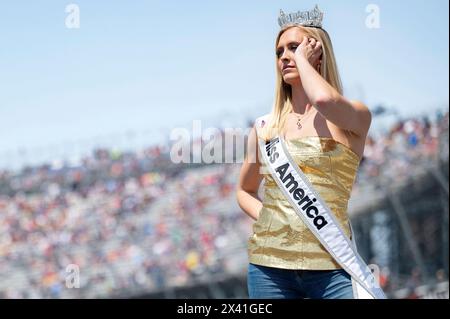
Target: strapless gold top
{"x": 280, "y": 238}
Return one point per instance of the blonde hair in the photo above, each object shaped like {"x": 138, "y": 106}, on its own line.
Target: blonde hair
{"x": 283, "y": 92}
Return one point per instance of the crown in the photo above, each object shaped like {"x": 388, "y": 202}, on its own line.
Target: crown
{"x": 312, "y": 18}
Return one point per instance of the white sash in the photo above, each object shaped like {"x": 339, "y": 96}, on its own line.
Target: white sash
{"x": 315, "y": 213}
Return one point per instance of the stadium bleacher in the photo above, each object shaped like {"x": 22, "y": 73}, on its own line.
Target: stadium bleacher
{"x": 136, "y": 223}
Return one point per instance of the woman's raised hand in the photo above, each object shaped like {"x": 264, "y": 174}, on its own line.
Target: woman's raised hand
{"x": 311, "y": 50}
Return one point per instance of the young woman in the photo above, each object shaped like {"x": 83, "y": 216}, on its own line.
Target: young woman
{"x": 325, "y": 134}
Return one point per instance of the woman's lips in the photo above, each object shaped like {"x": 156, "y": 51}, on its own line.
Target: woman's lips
{"x": 288, "y": 68}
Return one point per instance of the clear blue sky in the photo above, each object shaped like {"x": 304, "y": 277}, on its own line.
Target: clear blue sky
{"x": 145, "y": 66}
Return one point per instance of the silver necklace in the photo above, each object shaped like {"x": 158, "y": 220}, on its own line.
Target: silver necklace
{"x": 299, "y": 125}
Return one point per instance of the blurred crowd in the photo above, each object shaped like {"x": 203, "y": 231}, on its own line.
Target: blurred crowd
{"x": 128, "y": 231}
{"x": 408, "y": 144}
{"x": 135, "y": 222}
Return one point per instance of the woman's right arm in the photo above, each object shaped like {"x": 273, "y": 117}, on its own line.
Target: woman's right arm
{"x": 250, "y": 179}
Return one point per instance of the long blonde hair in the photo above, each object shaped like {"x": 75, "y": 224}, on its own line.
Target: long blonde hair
{"x": 283, "y": 92}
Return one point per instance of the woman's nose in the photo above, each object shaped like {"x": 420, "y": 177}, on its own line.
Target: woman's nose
{"x": 284, "y": 56}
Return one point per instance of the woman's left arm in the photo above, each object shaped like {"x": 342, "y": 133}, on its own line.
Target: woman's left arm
{"x": 348, "y": 115}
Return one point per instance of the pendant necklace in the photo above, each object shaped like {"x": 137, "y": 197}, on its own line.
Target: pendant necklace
{"x": 299, "y": 125}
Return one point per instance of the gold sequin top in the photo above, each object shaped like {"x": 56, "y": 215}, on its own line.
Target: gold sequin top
{"x": 280, "y": 238}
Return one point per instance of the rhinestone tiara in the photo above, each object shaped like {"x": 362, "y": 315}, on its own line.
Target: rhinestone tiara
{"x": 312, "y": 18}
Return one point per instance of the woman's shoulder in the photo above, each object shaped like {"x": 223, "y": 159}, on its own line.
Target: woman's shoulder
{"x": 261, "y": 121}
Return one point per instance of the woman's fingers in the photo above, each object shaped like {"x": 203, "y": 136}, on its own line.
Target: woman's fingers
{"x": 305, "y": 40}
{"x": 318, "y": 49}
{"x": 318, "y": 46}
{"x": 313, "y": 49}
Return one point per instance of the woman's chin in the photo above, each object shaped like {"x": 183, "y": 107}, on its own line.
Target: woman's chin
{"x": 291, "y": 78}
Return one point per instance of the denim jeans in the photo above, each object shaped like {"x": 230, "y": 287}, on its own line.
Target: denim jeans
{"x": 276, "y": 283}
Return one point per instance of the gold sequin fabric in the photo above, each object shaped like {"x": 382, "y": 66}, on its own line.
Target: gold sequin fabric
{"x": 280, "y": 238}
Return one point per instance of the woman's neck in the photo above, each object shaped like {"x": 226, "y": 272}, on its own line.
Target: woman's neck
{"x": 300, "y": 101}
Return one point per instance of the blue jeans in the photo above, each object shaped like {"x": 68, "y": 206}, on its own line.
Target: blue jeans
{"x": 275, "y": 283}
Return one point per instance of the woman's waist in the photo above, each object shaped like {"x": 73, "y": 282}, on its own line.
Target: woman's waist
{"x": 286, "y": 239}
{"x": 281, "y": 226}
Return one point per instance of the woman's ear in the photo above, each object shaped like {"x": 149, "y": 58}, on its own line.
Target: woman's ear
{"x": 319, "y": 65}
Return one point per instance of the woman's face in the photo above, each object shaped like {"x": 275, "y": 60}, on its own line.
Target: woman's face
{"x": 288, "y": 43}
